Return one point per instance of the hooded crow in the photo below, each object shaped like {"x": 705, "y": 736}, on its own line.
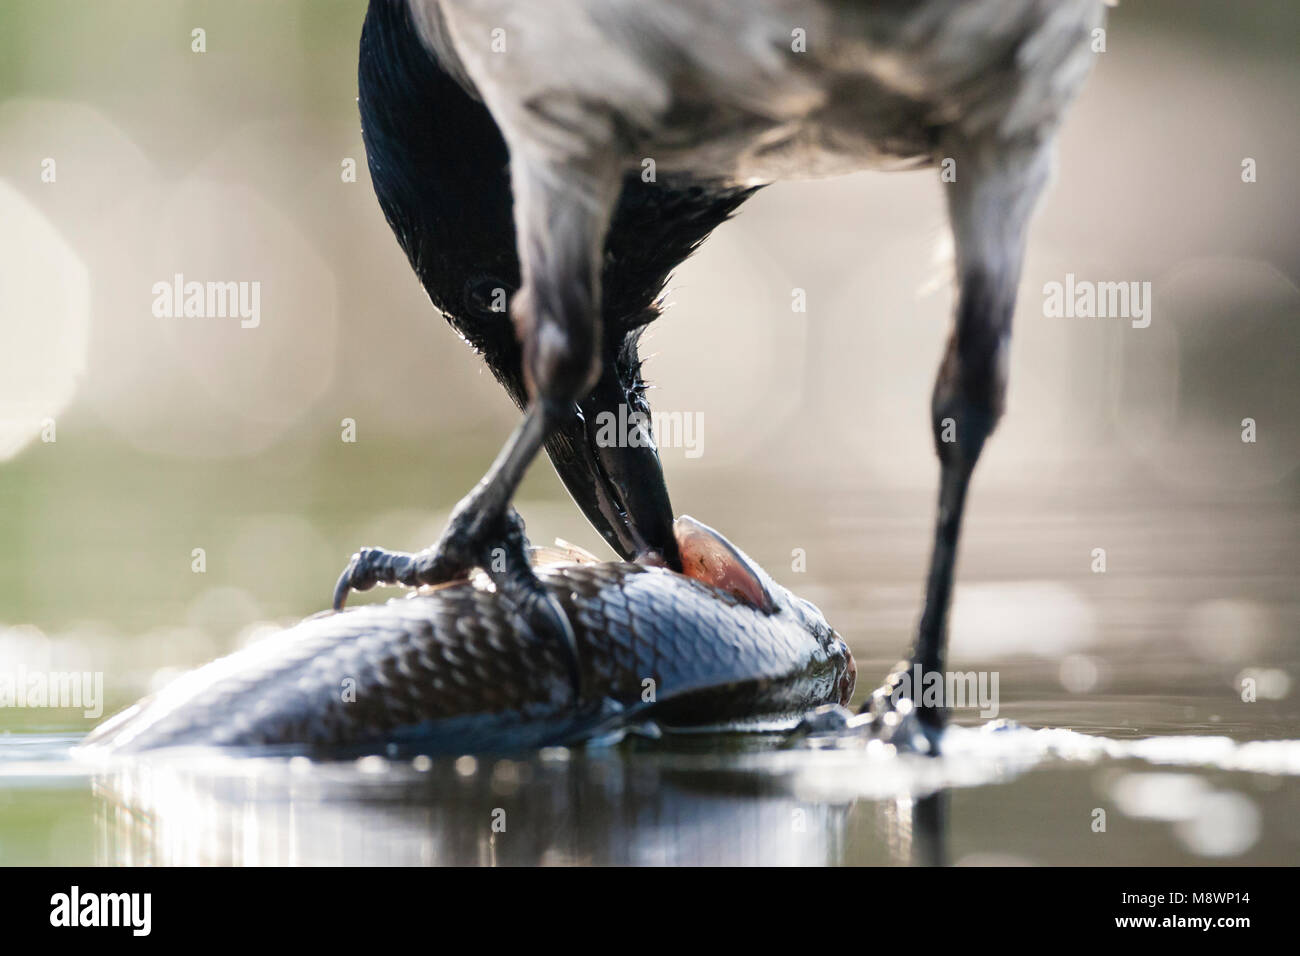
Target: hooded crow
{"x": 509, "y": 144}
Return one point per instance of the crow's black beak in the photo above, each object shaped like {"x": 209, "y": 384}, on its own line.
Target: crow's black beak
{"x": 606, "y": 457}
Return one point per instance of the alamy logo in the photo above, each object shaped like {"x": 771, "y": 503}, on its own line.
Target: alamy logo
{"x": 951, "y": 689}
{"x": 208, "y": 300}
{"x": 633, "y": 429}
{"x": 36, "y": 688}
{"x": 1084, "y": 299}
{"x": 102, "y": 909}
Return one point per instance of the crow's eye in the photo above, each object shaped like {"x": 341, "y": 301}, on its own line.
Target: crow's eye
{"x": 488, "y": 295}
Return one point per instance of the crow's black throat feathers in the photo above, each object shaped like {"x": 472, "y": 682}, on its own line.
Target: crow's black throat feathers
{"x": 440, "y": 169}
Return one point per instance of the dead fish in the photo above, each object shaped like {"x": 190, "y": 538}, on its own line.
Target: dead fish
{"x": 456, "y": 669}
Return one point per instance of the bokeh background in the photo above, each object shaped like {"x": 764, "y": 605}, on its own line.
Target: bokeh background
{"x": 177, "y": 434}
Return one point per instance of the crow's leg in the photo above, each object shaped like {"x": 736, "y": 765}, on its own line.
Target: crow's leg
{"x": 561, "y": 215}
{"x": 989, "y": 207}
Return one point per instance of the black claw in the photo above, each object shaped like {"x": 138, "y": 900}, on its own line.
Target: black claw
{"x": 897, "y": 717}
{"x": 344, "y": 587}
{"x": 472, "y": 543}
{"x": 515, "y": 579}
{"x": 371, "y": 566}
{"x": 557, "y": 624}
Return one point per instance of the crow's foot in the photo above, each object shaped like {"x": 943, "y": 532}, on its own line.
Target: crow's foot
{"x": 473, "y": 539}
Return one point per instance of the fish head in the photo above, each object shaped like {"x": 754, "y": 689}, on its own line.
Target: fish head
{"x": 709, "y": 557}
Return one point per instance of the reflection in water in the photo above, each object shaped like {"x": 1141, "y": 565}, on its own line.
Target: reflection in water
{"x": 851, "y": 803}
{"x": 554, "y": 809}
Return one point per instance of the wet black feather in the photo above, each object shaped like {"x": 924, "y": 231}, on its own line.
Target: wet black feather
{"x": 440, "y": 169}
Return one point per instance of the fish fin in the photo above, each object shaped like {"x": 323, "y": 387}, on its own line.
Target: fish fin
{"x": 576, "y": 552}
{"x": 562, "y": 552}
